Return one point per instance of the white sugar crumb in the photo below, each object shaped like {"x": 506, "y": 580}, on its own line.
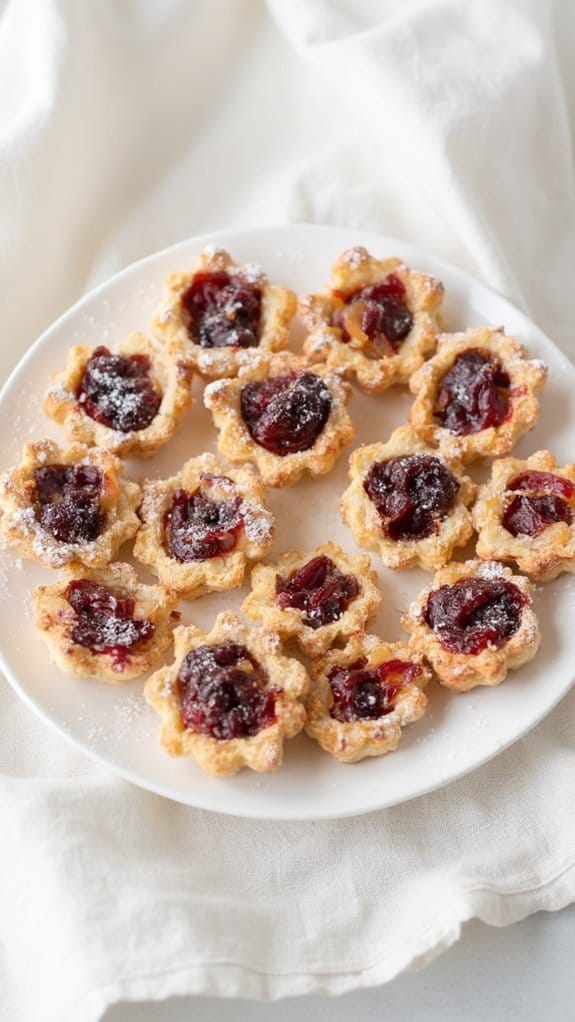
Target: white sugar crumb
{"x": 57, "y": 392}
{"x": 167, "y": 688}
{"x": 319, "y": 341}
{"x": 211, "y": 251}
{"x": 252, "y": 273}
{"x": 165, "y": 316}
{"x": 258, "y": 522}
{"x": 213, "y": 389}
{"x": 491, "y": 570}
{"x": 355, "y": 256}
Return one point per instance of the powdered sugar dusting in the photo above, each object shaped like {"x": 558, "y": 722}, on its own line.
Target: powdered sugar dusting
{"x": 492, "y": 570}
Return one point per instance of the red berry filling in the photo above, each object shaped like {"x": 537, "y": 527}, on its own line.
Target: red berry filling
{"x": 376, "y": 314}
{"x": 105, "y": 621}
{"x": 198, "y": 527}
{"x": 116, "y": 390}
{"x": 319, "y": 590}
{"x": 474, "y": 394}
{"x": 287, "y": 413}
{"x": 546, "y": 502}
{"x": 67, "y": 502}
{"x": 223, "y": 311}
{"x": 412, "y": 494}
{"x": 474, "y": 613}
{"x": 223, "y": 694}
{"x": 366, "y": 693}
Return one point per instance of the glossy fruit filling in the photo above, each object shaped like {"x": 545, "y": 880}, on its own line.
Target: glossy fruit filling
{"x": 474, "y": 394}
{"x": 105, "y": 621}
{"x": 412, "y": 494}
{"x": 375, "y": 317}
{"x": 319, "y": 590}
{"x": 366, "y": 693}
{"x": 223, "y": 311}
{"x": 475, "y": 613}
{"x": 543, "y": 500}
{"x": 67, "y": 503}
{"x": 287, "y": 413}
{"x": 116, "y": 390}
{"x": 223, "y": 694}
{"x": 199, "y": 525}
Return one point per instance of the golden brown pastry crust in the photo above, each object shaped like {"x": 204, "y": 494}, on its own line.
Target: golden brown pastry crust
{"x": 278, "y": 309}
{"x": 55, "y": 619}
{"x": 527, "y": 377}
{"x": 355, "y": 269}
{"x": 360, "y": 513}
{"x": 542, "y": 557}
{"x": 170, "y": 372}
{"x": 351, "y": 741}
{"x": 463, "y": 671}
{"x": 194, "y": 578}
{"x": 288, "y": 622}
{"x": 219, "y": 757}
{"x": 19, "y": 527}
{"x": 222, "y": 398}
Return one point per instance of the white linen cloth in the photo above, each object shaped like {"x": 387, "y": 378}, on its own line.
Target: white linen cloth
{"x": 125, "y": 127}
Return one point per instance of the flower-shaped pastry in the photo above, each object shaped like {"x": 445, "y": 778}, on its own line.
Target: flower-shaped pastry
{"x": 68, "y": 506}
{"x": 220, "y": 312}
{"x": 230, "y": 698}
{"x": 526, "y": 514}
{"x": 105, "y": 624}
{"x": 363, "y": 695}
{"x": 477, "y": 395}
{"x": 379, "y": 319}
{"x": 474, "y": 623}
{"x": 408, "y": 502}
{"x": 203, "y": 526}
{"x": 284, "y": 415}
{"x": 314, "y": 598}
{"x": 129, "y": 401}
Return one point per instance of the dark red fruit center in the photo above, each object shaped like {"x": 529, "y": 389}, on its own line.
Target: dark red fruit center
{"x": 319, "y": 590}
{"x": 366, "y": 693}
{"x": 474, "y": 394}
{"x": 222, "y": 692}
{"x": 116, "y": 390}
{"x": 287, "y": 413}
{"x": 223, "y": 311}
{"x": 546, "y": 502}
{"x": 68, "y": 502}
{"x": 197, "y": 526}
{"x": 105, "y": 621}
{"x": 474, "y": 613}
{"x": 379, "y": 312}
{"x": 412, "y": 494}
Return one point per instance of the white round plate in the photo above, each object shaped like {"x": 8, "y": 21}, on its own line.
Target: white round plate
{"x": 114, "y": 725}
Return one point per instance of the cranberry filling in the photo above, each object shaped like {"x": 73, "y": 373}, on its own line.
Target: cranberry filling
{"x": 105, "y": 621}
{"x": 412, "y": 494}
{"x": 223, "y": 311}
{"x": 68, "y": 502}
{"x": 529, "y": 514}
{"x": 474, "y": 613}
{"x": 287, "y": 413}
{"x": 116, "y": 390}
{"x": 222, "y": 692}
{"x": 366, "y": 693}
{"x": 319, "y": 590}
{"x": 474, "y": 394}
{"x": 197, "y": 527}
{"x": 377, "y": 312}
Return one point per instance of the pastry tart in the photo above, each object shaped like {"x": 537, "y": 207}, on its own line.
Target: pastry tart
{"x": 379, "y": 319}
{"x": 526, "y": 514}
{"x": 230, "y": 698}
{"x": 362, "y": 696}
{"x": 474, "y": 623}
{"x": 314, "y": 598}
{"x": 105, "y": 624}
{"x": 201, "y": 527}
{"x": 129, "y": 401}
{"x": 408, "y": 502}
{"x": 477, "y": 395}
{"x": 68, "y": 506}
{"x": 285, "y": 416}
{"x": 220, "y": 312}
